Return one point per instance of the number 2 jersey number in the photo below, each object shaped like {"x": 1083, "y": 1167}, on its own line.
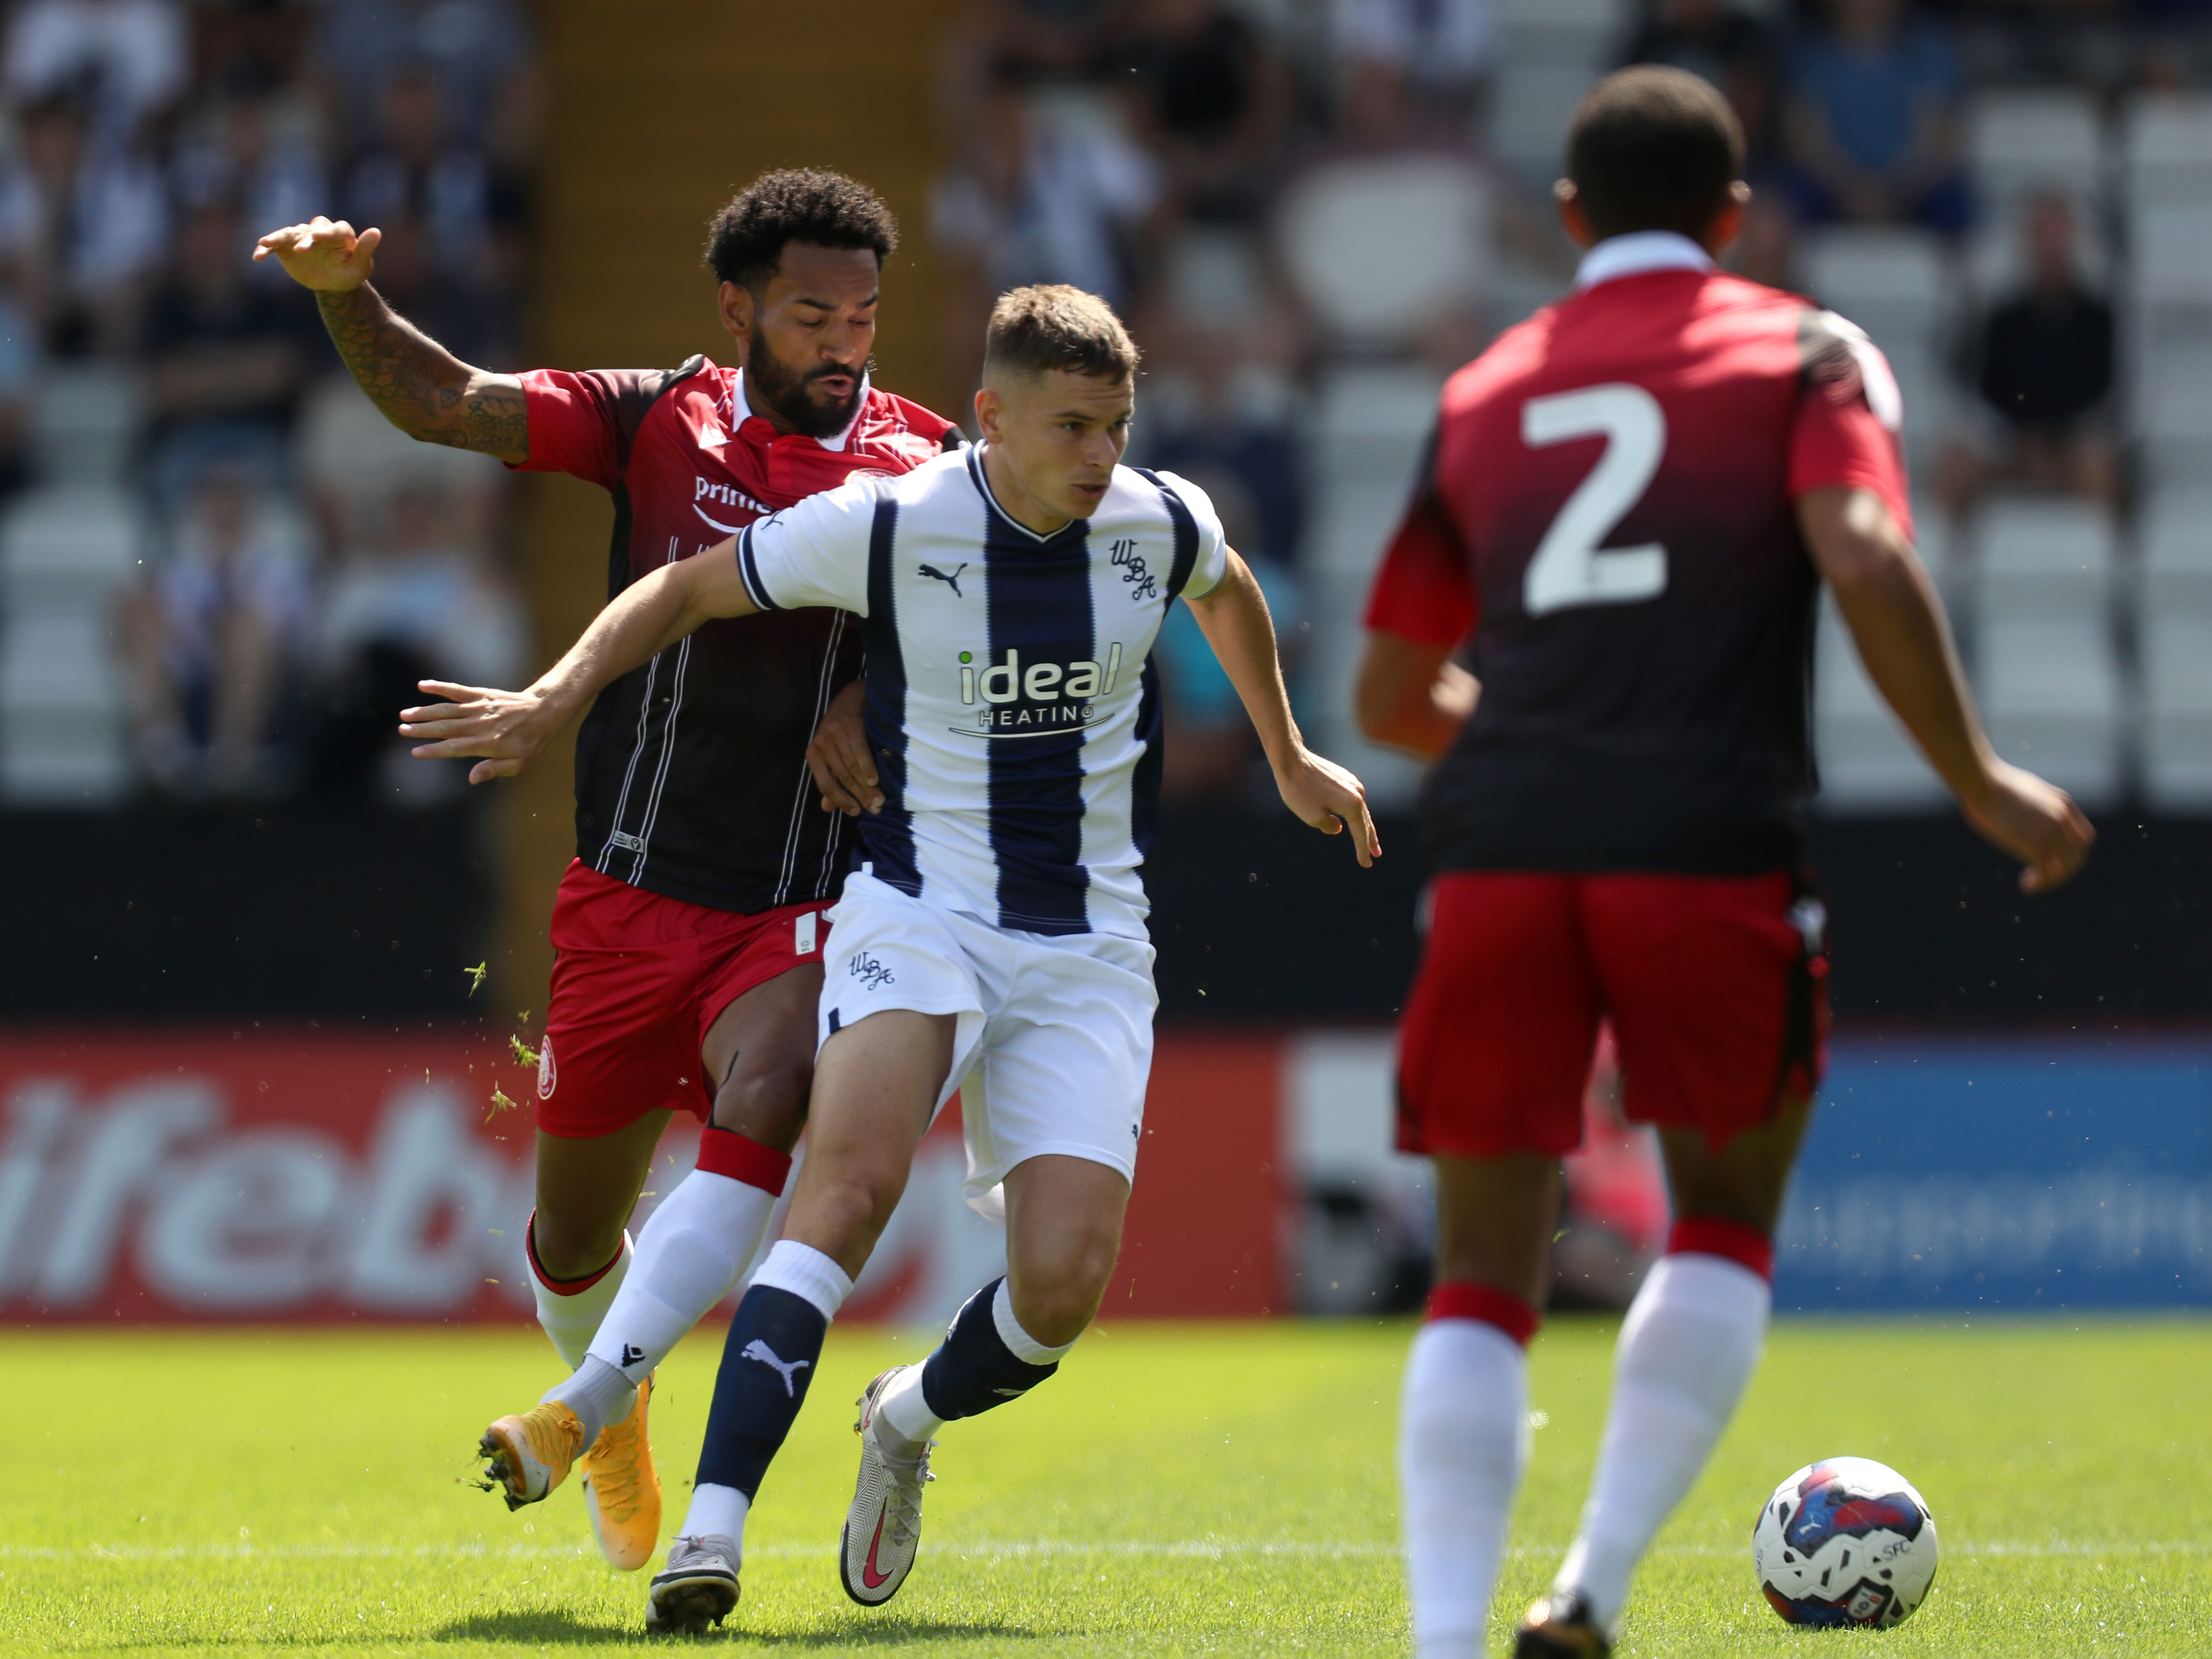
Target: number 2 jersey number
{"x": 1569, "y": 568}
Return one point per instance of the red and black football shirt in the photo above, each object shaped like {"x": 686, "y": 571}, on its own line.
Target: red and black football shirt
{"x": 691, "y": 776}
{"x": 1606, "y": 519}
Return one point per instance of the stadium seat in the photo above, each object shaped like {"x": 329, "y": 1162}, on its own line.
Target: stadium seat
{"x": 2172, "y": 252}
{"x": 1582, "y": 33}
{"x": 2020, "y": 142}
{"x": 1364, "y": 433}
{"x": 2166, "y": 148}
{"x": 84, "y": 423}
{"x": 2177, "y": 731}
{"x": 2036, "y": 557}
{"x": 1893, "y": 282}
{"x": 79, "y": 541}
{"x": 2175, "y": 552}
{"x": 61, "y": 708}
{"x": 1433, "y": 212}
{"x": 1868, "y": 764}
{"x": 1212, "y": 272}
{"x": 2050, "y": 693}
{"x": 1530, "y": 103}
{"x": 66, "y": 550}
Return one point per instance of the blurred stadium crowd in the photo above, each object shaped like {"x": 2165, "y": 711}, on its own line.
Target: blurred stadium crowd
{"x": 219, "y": 569}
{"x": 1313, "y": 209}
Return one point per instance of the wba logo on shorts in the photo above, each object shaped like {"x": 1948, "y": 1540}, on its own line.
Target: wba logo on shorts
{"x": 549, "y": 1078}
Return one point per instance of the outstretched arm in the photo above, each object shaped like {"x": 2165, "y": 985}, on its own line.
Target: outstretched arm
{"x": 1234, "y": 619}
{"x": 503, "y": 730}
{"x": 422, "y": 388}
{"x": 1897, "y": 622}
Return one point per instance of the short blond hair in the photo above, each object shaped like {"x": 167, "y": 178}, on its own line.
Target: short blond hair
{"x": 1052, "y": 326}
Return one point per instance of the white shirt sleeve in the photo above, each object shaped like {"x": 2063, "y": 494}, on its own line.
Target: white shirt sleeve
{"x": 815, "y": 553}
{"x": 1212, "y": 562}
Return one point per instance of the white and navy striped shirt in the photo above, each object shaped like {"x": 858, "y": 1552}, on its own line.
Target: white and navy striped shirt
{"x": 1011, "y": 702}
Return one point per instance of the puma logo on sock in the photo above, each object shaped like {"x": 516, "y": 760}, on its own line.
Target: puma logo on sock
{"x": 759, "y": 1350}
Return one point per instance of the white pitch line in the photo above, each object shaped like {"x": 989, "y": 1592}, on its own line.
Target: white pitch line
{"x": 1213, "y": 1549}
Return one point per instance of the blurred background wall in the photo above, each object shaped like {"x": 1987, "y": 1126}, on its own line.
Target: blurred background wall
{"x": 221, "y": 572}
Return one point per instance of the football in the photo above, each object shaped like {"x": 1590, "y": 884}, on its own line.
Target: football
{"x": 1844, "y": 1542}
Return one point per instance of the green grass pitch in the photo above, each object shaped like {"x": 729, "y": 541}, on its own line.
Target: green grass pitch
{"x": 1175, "y": 1490}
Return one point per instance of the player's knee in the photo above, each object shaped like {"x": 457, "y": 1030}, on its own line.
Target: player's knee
{"x": 573, "y": 1247}
{"x": 853, "y": 1205}
{"x": 767, "y": 1105}
{"x": 1056, "y": 1297}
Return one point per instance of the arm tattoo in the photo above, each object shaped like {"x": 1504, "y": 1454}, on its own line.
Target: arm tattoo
{"x": 421, "y": 387}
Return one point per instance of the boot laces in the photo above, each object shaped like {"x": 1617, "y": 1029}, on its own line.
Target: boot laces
{"x": 902, "y": 1516}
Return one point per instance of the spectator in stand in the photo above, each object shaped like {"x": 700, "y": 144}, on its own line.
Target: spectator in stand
{"x": 1387, "y": 179}
{"x": 212, "y": 636}
{"x": 126, "y": 59}
{"x": 227, "y": 359}
{"x": 454, "y": 214}
{"x": 1733, "y": 52}
{"x": 481, "y": 55}
{"x": 1029, "y": 202}
{"x": 1220, "y": 403}
{"x": 249, "y": 145}
{"x": 413, "y": 169}
{"x": 1873, "y": 121}
{"x": 416, "y": 602}
{"x": 1062, "y": 42}
{"x": 259, "y": 45}
{"x": 1440, "y": 49}
{"x": 1210, "y": 99}
{"x": 87, "y": 226}
{"x": 2044, "y": 369}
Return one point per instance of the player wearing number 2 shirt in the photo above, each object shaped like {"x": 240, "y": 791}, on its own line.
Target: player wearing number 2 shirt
{"x": 1628, "y": 508}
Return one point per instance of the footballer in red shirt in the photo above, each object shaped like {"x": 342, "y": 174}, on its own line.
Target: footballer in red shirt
{"x": 1631, "y": 502}
{"x": 689, "y": 929}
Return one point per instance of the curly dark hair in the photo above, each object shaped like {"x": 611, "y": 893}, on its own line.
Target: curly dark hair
{"x": 745, "y": 243}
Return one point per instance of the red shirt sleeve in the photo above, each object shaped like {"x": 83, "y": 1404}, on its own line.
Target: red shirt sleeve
{"x": 1425, "y": 591}
{"x": 1838, "y": 441}
{"x": 583, "y": 424}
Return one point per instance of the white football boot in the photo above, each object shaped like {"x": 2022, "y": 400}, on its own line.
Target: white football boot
{"x": 882, "y": 1529}
{"x": 696, "y": 1588}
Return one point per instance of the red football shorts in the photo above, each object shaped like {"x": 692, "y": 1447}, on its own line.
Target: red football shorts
{"x": 638, "y": 978}
{"x": 1715, "y": 987}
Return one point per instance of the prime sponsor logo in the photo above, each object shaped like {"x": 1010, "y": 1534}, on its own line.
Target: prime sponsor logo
{"x": 1012, "y": 699}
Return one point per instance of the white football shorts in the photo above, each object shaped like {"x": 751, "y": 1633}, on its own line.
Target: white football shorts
{"x": 1057, "y": 1030}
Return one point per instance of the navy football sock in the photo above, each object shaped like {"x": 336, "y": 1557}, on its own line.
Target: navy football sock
{"x": 770, "y": 1357}
{"x": 973, "y": 1369}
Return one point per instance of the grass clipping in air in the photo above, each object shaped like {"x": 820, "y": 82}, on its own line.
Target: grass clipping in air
{"x": 1174, "y": 1490}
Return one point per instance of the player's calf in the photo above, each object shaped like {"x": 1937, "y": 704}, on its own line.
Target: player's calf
{"x": 1687, "y": 1349}
{"x": 1462, "y": 1440}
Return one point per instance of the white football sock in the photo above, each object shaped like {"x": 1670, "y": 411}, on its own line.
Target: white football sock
{"x": 1687, "y": 1348}
{"x": 716, "y": 1511}
{"x": 1462, "y": 1439}
{"x": 569, "y": 1316}
{"x": 906, "y": 1420}
{"x": 1019, "y": 1343}
{"x": 689, "y": 1257}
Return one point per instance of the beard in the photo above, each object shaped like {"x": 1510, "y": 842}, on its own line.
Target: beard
{"x": 792, "y": 396}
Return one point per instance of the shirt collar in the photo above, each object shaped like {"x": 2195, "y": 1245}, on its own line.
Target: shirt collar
{"x": 743, "y": 411}
{"x": 1638, "y": 252}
